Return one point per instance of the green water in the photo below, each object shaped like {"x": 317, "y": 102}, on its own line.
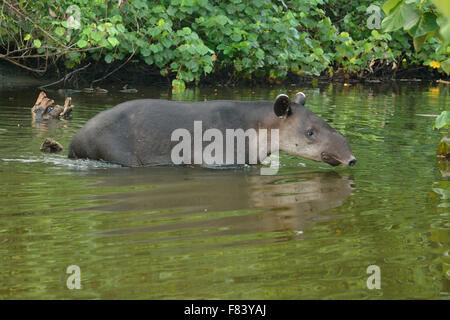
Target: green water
{"x": 179, "y": 233}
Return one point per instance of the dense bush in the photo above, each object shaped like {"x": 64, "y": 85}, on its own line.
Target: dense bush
{"x": 428, "y": 23}
{"x": 187, "y": 39}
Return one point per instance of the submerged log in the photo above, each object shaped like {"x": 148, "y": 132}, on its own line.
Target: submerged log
{"x": 443, "y": 81}
{"x": 51, "y": 146}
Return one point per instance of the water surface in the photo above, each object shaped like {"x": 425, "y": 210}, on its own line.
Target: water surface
{"x": 191, "y": 233}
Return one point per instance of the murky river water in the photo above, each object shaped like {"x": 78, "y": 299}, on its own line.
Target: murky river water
{"x": 178, "y": 233}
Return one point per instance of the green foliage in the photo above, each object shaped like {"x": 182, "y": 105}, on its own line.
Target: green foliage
{"x": 443, "y": 121}
{"x": 443, "y": 151}
{"x": 424, "y": 22}
{"x": 188, "y": 39}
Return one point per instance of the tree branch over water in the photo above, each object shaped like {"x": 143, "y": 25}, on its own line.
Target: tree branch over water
{"x": 66, "y": 77}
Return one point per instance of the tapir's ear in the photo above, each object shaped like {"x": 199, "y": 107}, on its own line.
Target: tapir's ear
{"x": 300, "y": 98}
{"x": 282, "y": 106}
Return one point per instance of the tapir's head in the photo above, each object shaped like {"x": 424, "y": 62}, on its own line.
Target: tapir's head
{"x": 305, "y": 134}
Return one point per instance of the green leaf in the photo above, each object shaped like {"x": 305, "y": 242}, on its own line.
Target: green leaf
{"x": 279, "y": 27}
{"x": 445, "y": 65}
{"x": 116, "y": 18}
{"x": 393, "y": 21}
{"x": 259, "y": 54}
{"x": 389, "y": 5}
{"x": 74, "y": 55}
{"x": 27, "y": 37}
{"x": 82, "y": 43}
{"x": 60, "y": 31}
{"x": 192, "y": 65}
{"x": 149, "y": 60}
{"x": 120, "y": 28}
{"x": 97, "y": 36}
{"x": 445, "y": 30}
{"x": 443, "y": 120}
{"x": 426, "y": 24}
{"x": 207, "y": 69}
{"x": 145, "y": 52}
{"x": 410, "y": 16}
{"x": 318, "y": 51}
{"x": 113, "y": 41}
{"x": 418, "y": 42}
{"x": 258, "y": 3}
{"x": 186, "y": 75}
{"x": 166, "y": 42}
{"x": 368, "y": 46}
{"x": 108, "y": 58}
{"x": 443, "y": 7}
{"x": 112, "y": 31}
{"x": 236, "y": 37}
{"x": 187, "y": 3}
{"x": 155, "y": 48}
{"x": 221, "y": 19}
{"x": 178, "y": 85}
{"x": 37, "y": 43}
{"x": 202, "y": 49}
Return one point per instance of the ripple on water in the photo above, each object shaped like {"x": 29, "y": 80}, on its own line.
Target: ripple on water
{"x": 64, "y": 162}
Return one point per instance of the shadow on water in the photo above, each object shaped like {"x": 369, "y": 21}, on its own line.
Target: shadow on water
{"x": 207, "y": 203}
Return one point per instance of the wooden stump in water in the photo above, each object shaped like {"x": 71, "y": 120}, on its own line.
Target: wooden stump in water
{"x": 41, "y": 106}
{"x": 51, "y": 146}
{"x": 67, "y": 109}
{"x": 44, "y": 109}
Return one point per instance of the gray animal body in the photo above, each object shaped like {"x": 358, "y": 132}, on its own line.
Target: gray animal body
{"x": 139, "y": 132}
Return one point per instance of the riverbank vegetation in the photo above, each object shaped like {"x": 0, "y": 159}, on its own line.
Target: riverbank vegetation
{"x": 190, "y": 41}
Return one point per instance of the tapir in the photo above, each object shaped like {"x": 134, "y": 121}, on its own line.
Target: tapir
{"x": 140, "y": 133}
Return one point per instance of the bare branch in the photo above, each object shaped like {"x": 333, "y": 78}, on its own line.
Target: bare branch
{"x": 106, "y": 76}
{"x": 67, "y": 76}
{"x": 23, "y": 66}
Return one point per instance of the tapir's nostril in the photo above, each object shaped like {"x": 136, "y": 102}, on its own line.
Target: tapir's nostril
{"x": 352, "y": 162}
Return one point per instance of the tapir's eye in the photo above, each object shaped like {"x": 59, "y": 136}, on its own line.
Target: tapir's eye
{"x": 310, "y": 134}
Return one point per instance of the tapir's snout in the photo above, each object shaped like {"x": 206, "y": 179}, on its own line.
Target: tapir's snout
{"x": 330, "y": 159}
{"x": 334, "y": 160}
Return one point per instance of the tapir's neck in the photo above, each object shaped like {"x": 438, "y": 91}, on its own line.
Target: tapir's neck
{"x": 262, "y": 116}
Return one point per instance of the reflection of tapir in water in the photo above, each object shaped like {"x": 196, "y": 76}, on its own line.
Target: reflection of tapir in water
{"x": 138, "y": 133}
{"x": 44, "y": 109}
{"x": 235, "y": 203}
